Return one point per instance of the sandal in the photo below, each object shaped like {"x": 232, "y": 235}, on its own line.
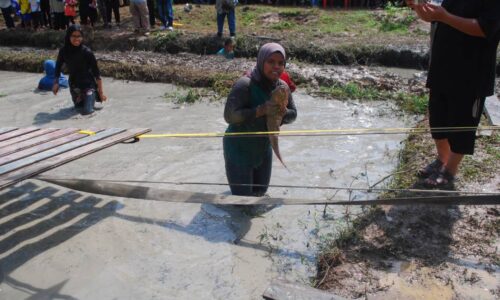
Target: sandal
{"x": 432, "y": 168}
{"x": 440, "y": 180}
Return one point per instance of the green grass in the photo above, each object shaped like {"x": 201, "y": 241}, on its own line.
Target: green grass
{"x": 361, "y": 22}
{"x": 252, "y": 20}
{"x": 473, "y": 168}
{"x": 222, "y": 84}
{"x": 410, "y": 103}
{"x": 3, "y": 95}
{"x": 396, "y": 19}
{"x": 189, "y": 97}
{"x": 283, "y": 25}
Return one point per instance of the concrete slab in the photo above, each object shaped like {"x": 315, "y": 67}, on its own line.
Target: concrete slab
{"x": 492, "y": 110}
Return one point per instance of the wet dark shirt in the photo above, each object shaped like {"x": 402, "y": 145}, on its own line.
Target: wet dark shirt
{"x": 461, "y": 63}
{"x": 240, "y": 111}
{"x": 82, "y": 67}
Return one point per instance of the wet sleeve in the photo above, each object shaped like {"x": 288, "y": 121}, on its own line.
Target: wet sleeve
{"x": 93, "y": 65}
{"x": 59, "y": 63}
{"x": 489, "y": 20}
{"x": 291, "y": 111}
{"x": 237, "y": 109}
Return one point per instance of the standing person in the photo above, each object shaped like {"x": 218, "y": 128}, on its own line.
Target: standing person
{"x": 113, "y": 6}
{"x": 70, "y": 11}
{"x": 85, "y": 82}
{"x": 140, "y": 14}
{"x": 249, "y": 159}
{"x": 101, "y": 6}
{"x": 25, "y": 9}
{"x": 57, "y": 11}
{"x": 88, "y": 12}
{"x": 151, "y": 9}
{"x": 166, "y": 12}
{"x": 36, "y": 14}
{"x": 461, "y": 75}
{"x": 7, "y": 9}
{"x": 45, "y": 13}
{"x": 226, "y": 8}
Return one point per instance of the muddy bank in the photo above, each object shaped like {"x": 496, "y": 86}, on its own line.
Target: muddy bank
{"x": 417, "y": 252}
{"x": 218, "y": 74}
{"x": 389, "y": 55}
{"x": 247, "y": 46}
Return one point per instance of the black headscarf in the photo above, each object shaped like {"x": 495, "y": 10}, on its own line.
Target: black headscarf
{"x": 68, "y": 47}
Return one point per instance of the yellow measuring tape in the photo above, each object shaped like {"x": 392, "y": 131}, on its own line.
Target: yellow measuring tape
{"x": 87, "y": 132}
{"x": 319, "y": 132}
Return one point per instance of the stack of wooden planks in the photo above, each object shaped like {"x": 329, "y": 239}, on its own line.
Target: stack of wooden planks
{"x": 26, "y": 152}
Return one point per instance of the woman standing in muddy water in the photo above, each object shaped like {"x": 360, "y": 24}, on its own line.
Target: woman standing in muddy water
{"x": 249, "y": 159}
{"x": 84, "y": 75}
{"x": 464, "y": 43}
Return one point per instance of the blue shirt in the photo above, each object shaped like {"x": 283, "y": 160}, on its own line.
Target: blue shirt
{"x": 223, "y": 52}
{"x": 47, "y": 81}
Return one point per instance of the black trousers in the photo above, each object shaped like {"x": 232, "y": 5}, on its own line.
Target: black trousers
{"x": 58, "y": 21}
{"x": 9, "y": 21}
{"x": 151, "y": 8}
{"x": 113, "y": 6}
{"x": 45, "y": 8}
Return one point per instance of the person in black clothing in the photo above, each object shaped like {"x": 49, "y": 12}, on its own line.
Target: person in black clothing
{"x": 88, "y": 12}
{"x": 45, "y": 9}
{"x": 113, "y": 6}
{"x": 464, "y": 40}
{"x": 84, "y": 75}
{"x": 151, "y": 8}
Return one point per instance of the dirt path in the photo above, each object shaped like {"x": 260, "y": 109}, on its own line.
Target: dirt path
{"x": 423, "y": 252}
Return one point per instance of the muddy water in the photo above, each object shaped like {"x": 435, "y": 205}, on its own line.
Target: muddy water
{"x": 93, "y": 247}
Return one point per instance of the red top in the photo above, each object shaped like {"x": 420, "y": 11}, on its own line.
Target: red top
{"x": 286, "y": 78}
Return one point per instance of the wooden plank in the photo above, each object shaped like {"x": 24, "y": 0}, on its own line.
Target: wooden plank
{"x": 17, "y": 132}
{"x": 281, "y": 290}
{"x": 33, "y": 150}
{"x": 25, "y": 137}
{"x": 9, "y": 167}
{"x": 53, "y": 162}
{"x": 7, "y": 129}
{"x": 37, "y": 141}
{"x": 108, "y": 188}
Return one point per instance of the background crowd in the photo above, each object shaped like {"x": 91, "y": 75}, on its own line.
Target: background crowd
{"x": 59, "y": 14}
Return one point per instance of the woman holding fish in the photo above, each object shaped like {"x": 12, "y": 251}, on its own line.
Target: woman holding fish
{"x": 258, "y": 102}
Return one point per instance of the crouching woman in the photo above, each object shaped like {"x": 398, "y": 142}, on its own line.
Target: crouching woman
{"x": 84, "y": 77}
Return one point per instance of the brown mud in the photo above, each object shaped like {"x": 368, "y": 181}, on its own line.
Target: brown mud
{"x": 417, "y": 252}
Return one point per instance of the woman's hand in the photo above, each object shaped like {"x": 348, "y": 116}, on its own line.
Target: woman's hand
{"x": 269, "y": 107}
{"x": 102, "y": 96}
{"x": 55, "y": 88}
{"x": 430, "y": 12}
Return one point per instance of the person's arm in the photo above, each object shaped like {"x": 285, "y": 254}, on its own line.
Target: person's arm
{"x": 97, "y": 75}
{"x": 237, "y": 105}
{"x": 59, "y": 63}
{"x": 100, "y": 90}
{"x": 435, "y": 13}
